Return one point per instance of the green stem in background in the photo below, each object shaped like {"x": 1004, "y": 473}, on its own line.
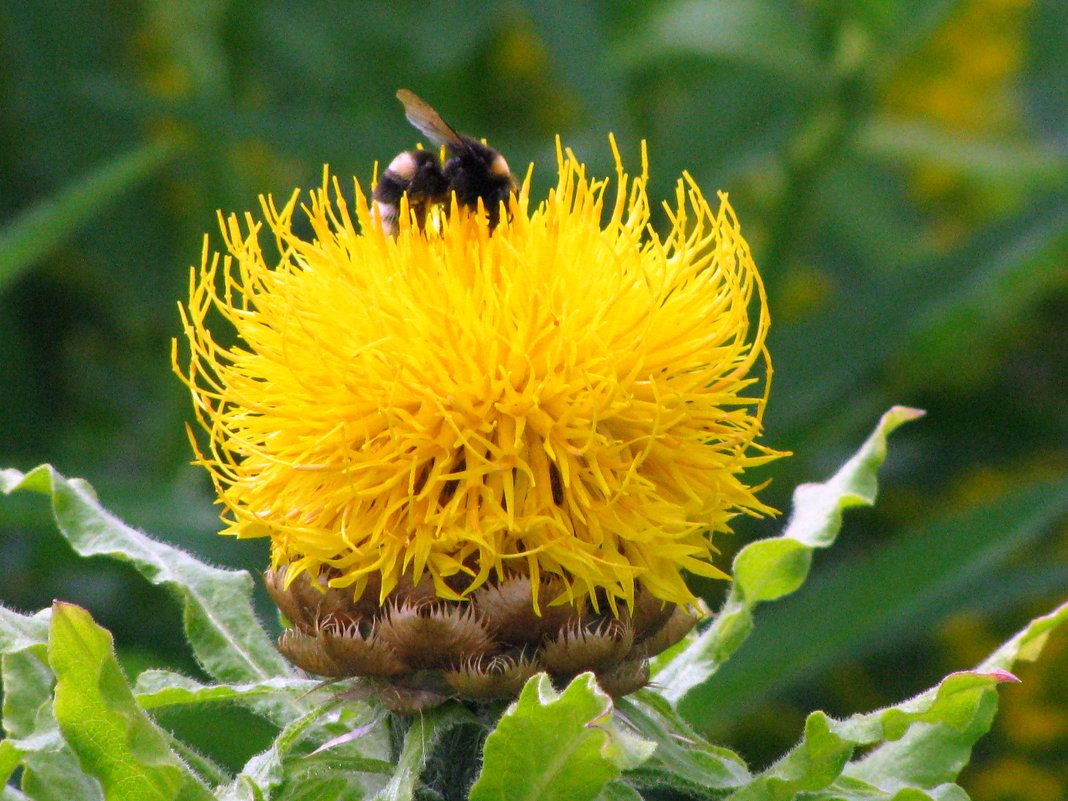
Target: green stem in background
{"x": 858, "y": 68}
{"x": 840, "y": 109}
{"x": 40, "y": 229}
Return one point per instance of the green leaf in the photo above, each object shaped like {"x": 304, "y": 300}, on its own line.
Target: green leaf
{"x": 827, "y": 745}
{"x": 274, "y": 767}
{"x": 161, "y": 688}
{"x": 683, "y": 759}
{"x": 551, "y": 745}
{"x": 768, "y": 569}
{"x": 114, "y": 740}
{"x": 210, "y": 772}
{"x": 27, "y": 682}
{"x": 220, "y": 624}
{"x": 846, "y": 789}
{"x": 318, "y": 787}
{"x": 419, "y": 742}
{"x": 349, "y": 746}
{"x": 40, "y": 229}
{"x": 922, "y": 743}
{"x": 10, "y": 756}
{"x": 618, "y": 790}
{"x": 328, "y": 777}
{"x": 811, "y": 765}
{"x": 58, "y": 776}
{"x": 50, "y": 771}
{"x": 19, "y": 632}
{"x": 878, "y": 597}
{"x": 265, "y": 771}
{"x": 933, "y": 754}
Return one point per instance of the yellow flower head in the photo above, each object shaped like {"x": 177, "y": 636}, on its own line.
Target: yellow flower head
{"x": 567, "y": 395}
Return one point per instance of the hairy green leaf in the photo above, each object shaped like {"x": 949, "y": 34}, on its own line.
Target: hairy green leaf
{"x": 19, "y": 632}
{"x": 921, "y": 744}
{"x": 862, "y": 602}
{"x": 551, "y": 745}
{"x": 50, "y": 771}
{"x": 419, "y": 742}
{"x": 770, "y": 568}
{"x": 221, "y": 626}
{"x": 27, "y": 682}
{"x": 58, "y": 776}
{"x": 618, "y": 790}
{"x": 934, "y": 754}
{"x": 114, "y": 740}
{"x": 265, "y": 770}
{"x": 683, "y": 759}
{"x": 279, "y": 769}
{"x": 160, "y": 688}
{"x": 10, "y": 756}
{"x": 330, "y": 777}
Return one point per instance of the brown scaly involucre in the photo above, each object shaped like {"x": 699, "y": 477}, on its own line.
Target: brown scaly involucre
{"x": 418, "y": 649}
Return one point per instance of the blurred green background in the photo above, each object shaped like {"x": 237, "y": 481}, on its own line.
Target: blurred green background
{"x": 900, "y": 168}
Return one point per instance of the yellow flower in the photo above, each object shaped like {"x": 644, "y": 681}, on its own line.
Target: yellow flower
{"x": 569, "y": 396}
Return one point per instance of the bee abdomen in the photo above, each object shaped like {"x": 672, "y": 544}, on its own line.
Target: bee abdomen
{"x": 476, "y": 173}
{"x": 415, "y": 173}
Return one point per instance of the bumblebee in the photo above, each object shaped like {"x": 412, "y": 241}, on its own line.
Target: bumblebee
{"x": 471, "y": 169}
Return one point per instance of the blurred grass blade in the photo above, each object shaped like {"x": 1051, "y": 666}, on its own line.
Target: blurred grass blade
{"x": 768, "y": 569}
{"x": 984, "y": 286}
{"x": 881, "y": 597}
{"x": 757, "y": 33}
{"x": 556, "y": 746}
{"x": 114, "y": 739}
{"x": 37, "y": 231}
{"x": 919, "y": 144}
{"x": 220, "y": 624}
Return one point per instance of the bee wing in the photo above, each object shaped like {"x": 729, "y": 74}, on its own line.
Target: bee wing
{"x": 422, "y": 116}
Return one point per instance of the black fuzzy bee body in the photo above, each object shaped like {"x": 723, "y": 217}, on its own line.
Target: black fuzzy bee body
{"x": 473, "y": 171}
